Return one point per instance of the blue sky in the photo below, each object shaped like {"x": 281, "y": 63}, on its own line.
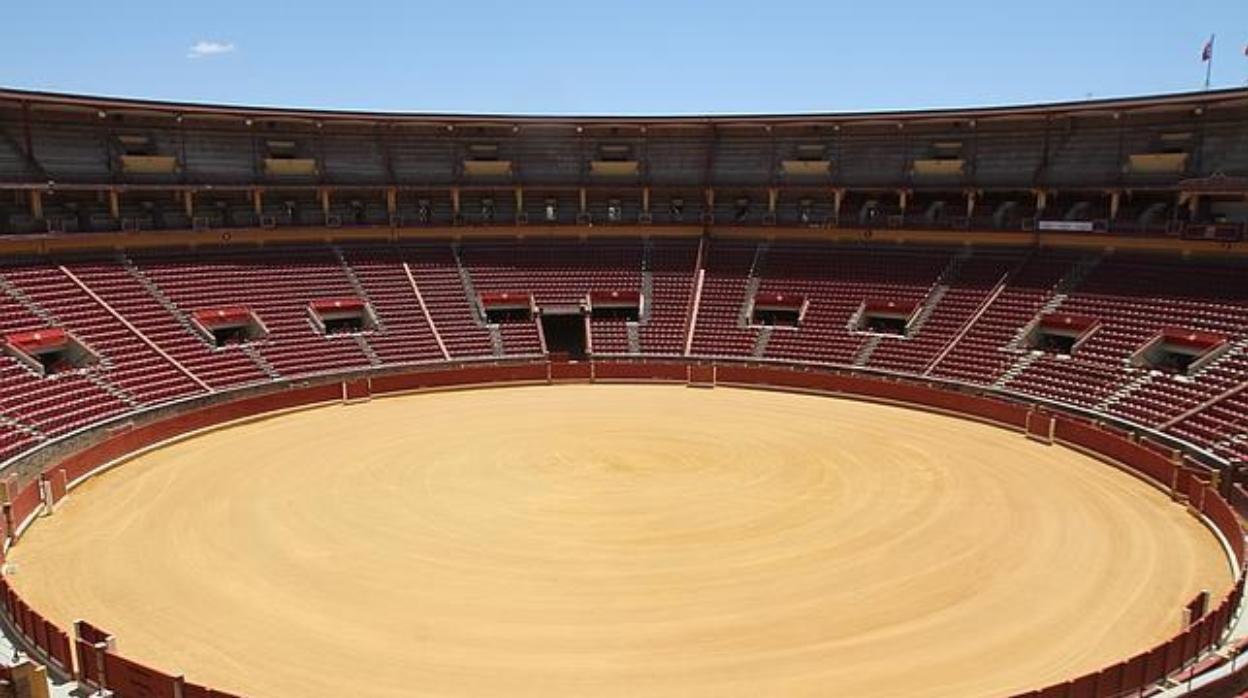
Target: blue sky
{"x": 640, "y": 57}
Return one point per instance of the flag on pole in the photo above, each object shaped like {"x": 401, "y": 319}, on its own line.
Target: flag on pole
{"x": 1206, "y": 57}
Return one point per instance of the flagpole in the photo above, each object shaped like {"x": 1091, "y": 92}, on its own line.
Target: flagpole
{"x": 1209, "y": 63}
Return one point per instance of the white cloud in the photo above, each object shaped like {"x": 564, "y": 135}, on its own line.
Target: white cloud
{"x": 209, "y": 48}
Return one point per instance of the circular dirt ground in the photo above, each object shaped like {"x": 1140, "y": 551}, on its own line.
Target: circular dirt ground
{"x": 619, "y": 541}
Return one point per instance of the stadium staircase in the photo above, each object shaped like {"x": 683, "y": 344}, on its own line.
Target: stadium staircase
{"x": 478, "y": 313}
{"x": 866, "y": 350}
{"x": 1014, "y": 370}
{"x": 1143, "y": 378}
{"x": 672, "y": 267}
{"x": 760, "y": 342}
{"x": 29, "y": 305}
{"x": 1018, "y": 343}
{"x": 134, "y": 310}
{"x": 361, "y": 338}
{"x": 111, "y": 389}
{"x": 258, "y": 358}
{"x": 220, "y": 368}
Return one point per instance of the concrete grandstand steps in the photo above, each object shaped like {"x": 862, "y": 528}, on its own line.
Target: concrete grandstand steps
{"x": 108, "y": 387}
{"x": 250, "y": 350}
{"x": 647, "y": 280}
{"x": 361, "y": 293}
{"x": 1061, "y": 292}
{"x": 976, "y": 311}
{"x": 1016, "y": 368}
{"x": 406, "y": 330}
{"x": 160, "y": 296}
{"x": 760, "y": 342}
{"x": 929, "y": 306}
{"x": 957, "y": 297}
{"x": 25, "y": 301}
{"x": 1238, "y": 439}
{"x": 496, "y": 339}
{"x": 367, "y": 348}
{"x": 1143, "y": 378}
{"x": 276, "y": 283}
{"x": 670, "y": 268}
{"x": 132, "y": 360}
{"x": 725, "y": 286}
{"x": 974, "y": 318}
{"x": 49, "y": 407}
{"x": 867, "y": 349}
{"x": 1237, "y": 351}
{"x": 136, "y": 296}
{"x": 15, "y": 424}
{"x": 470, "y": 291}
{"x": 751, "y": 286}
{"x": 461, "y": 333}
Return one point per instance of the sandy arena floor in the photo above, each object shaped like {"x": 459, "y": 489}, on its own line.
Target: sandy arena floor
{"x": 620, "y": 541}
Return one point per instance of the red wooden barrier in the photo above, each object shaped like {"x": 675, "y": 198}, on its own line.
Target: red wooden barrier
{"x": 1133, "y": 673}
{"x": 89, "y": 647}
{"x": 1089, "y": 436}
{"x": 127, "y": 679}
{"x": 1084, "y": 686}
{"x": 58, "y": 484}
{"x": 191, "y": 690}
{"x": 38, "y": 631}
{"x": 702, "y": 374}
{"x": 571, "y": 371}
{"x": 1109, "y": 683}
{"x": 129, "y": 441}
{"x": 27, "y": 501}
{"x": 470, "y": 375}
{"x": 359, "y": 389}
{"x": 88, "y": 665}
{"x": 666, "y": 372}
{"x": 1040, "y": 426}
{"x": 1155, "y": 670}
{"x": 59, "y": 648}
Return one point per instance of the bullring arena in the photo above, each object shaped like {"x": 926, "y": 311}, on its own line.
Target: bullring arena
{"x": 609, "y": 540}
{"x": 311, "y": 403}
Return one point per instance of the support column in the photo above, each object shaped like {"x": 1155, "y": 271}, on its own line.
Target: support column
{"x": 970, "y": 204}
{"x": 1193, "y": 206}
{"x": 325, "y": 201}
{"x": 838, "y": 198}
{"x": 709, "y": 195}
{"x": 455, "y": 201}
{"x": 114, "y": 204}
{"x": 773, "y": 195}
{"x": 392, "y": 201}
{"x": 645, "y": 199}
{"x": 188, "y": 203}
{"x": 36, "y": 204}
{"x": 584, "y": 201}
{"x": 257, "y": 202}
{"x": 1115, "y": 200}
{"x": 519, "y": 201}
{"x": 1042, "y": 201}
{"x": 903, "y": 200}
